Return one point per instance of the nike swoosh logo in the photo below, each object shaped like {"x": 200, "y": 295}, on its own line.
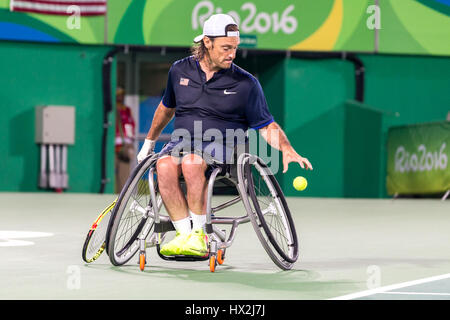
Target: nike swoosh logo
{"x": 229, "y": 92}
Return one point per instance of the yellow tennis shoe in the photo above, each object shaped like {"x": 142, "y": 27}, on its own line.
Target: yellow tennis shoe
{"x": 175, "y": 246}
{"x": 196, "y": 244}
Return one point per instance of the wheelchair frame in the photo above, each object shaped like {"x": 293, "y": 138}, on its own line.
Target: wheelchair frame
{"x": 242, "y": 179}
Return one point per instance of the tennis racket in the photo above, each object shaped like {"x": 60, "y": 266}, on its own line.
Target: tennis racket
{"x": 95, "y": 242}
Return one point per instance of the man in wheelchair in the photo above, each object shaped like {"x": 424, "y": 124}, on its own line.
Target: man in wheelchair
{"x": 207, "y": 92}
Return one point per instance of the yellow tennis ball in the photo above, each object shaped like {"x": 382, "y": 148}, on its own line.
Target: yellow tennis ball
{"x": 300, "y": 183}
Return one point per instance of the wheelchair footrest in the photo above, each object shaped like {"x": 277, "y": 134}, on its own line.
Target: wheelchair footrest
{"x": 184, "y": 258}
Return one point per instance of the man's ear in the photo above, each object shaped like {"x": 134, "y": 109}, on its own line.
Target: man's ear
{"x": 208, "y": 43}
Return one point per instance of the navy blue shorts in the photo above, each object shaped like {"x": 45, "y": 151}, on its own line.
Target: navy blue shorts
{"x": 215, "y": 155}
{"x": 210, "y": 152}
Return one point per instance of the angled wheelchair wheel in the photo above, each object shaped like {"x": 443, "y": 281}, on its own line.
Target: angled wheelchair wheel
{"x": 132, "y": 218}
{"x": 268, "y": 211}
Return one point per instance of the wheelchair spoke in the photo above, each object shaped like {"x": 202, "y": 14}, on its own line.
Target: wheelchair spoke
{"x": 271, "y": 217}
{"x": 129, "y": 221}
{"x": 276, "y": 225}
{"x": 134, "y": 215}
{"x": 128, "y": 227}
{"x": 275, "y": 222}
{"x": 274, "y": 219}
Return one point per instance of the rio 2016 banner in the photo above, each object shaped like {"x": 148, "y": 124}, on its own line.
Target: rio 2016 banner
{"x": 390, "y": 26}
{"x": 325, "y": 25}
{"x": 418, "y": 159}
{"x": 284, "y": 24}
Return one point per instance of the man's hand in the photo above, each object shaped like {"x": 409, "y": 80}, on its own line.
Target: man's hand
{"x": 289, "y": 155}
{"x": 147, "y": 148}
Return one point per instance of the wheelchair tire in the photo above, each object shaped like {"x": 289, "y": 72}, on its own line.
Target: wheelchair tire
{"x": 131, "y": 216}
{"x": 271, "y": 219}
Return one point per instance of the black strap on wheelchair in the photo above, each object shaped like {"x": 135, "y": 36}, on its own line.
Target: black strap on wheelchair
{"x": 209, "y": 228}
{"x": 164, "y": 227}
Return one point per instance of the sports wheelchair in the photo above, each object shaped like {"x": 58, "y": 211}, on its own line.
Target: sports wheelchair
{"x": 137, "y": 222}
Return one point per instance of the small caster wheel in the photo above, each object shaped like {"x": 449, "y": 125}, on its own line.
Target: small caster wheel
{"x": 142, "y": 261}
{"x": 212, "y": 263}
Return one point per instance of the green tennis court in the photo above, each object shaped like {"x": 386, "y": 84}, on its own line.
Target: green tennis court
{"x": 349, "y": 249}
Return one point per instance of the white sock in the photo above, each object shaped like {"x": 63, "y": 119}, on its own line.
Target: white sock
{"x": 183, "y": 225}
{"x": 198, "y": 220}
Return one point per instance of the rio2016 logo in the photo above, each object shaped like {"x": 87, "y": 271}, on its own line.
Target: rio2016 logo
{"x": 425, "y": 161}
{"x": 254, "y": 21}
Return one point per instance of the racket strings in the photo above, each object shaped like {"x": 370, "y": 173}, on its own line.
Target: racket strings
{"x": 98, "y": 239}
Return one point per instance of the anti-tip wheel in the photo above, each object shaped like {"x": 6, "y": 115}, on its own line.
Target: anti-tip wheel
{"x": 220, "y": 256}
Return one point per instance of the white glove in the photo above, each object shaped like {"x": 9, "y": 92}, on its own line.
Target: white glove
{"x": 146, "y": 149}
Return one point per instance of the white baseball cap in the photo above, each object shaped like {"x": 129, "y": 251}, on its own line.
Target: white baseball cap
{"x": 215, "y": 27}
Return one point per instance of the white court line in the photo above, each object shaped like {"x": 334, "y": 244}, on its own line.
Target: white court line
{"x": 418, "y": 293}
{"x": 390, "y": 287}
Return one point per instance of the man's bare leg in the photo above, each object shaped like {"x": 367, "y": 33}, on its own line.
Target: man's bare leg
{"x": 169, "y": 171}
{"x": 193, "y": 168}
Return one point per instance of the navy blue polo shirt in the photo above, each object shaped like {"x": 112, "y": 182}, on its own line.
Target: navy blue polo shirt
{"x": 231, "y": 99}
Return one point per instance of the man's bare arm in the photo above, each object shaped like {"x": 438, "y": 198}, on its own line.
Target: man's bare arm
{"x": 161, "y": 118}
{"x": 276, "y": 137}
